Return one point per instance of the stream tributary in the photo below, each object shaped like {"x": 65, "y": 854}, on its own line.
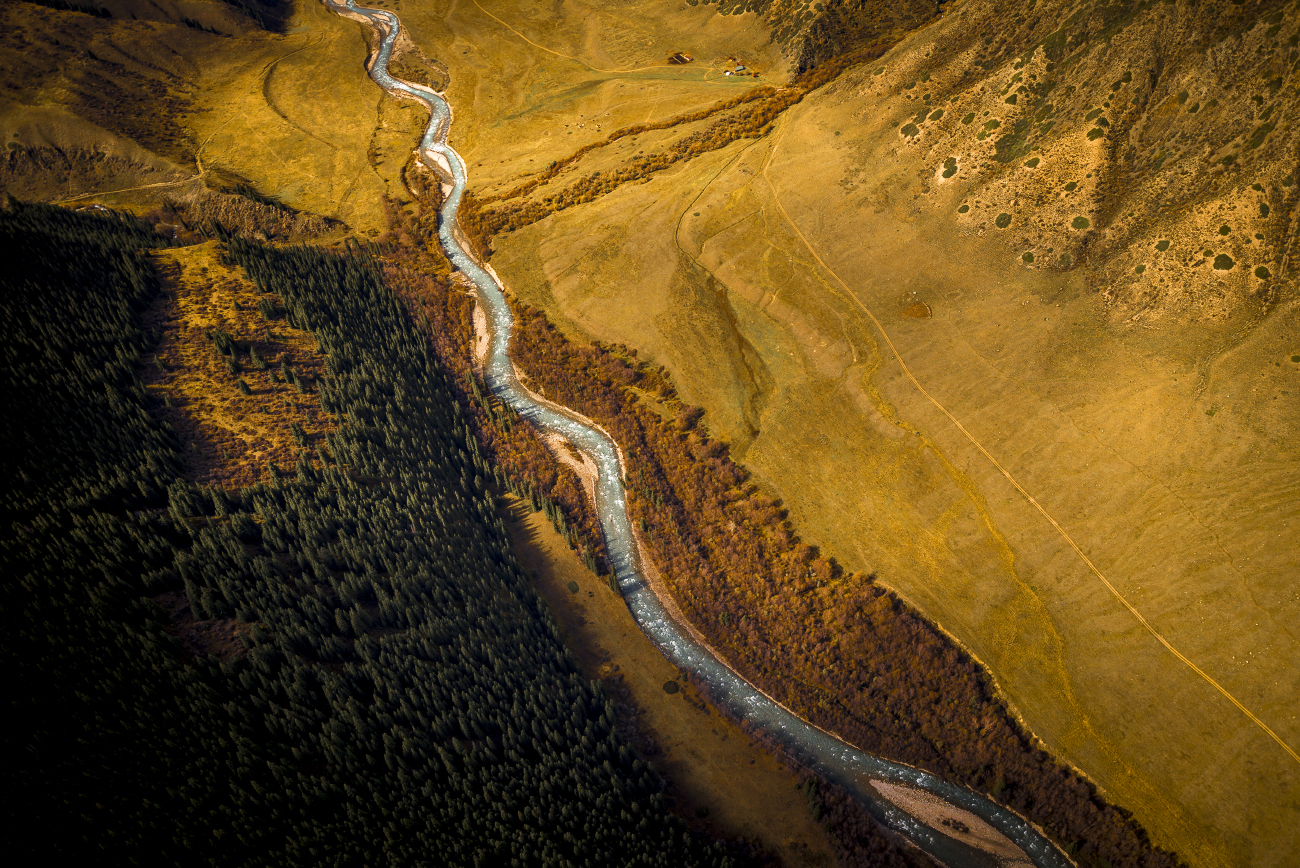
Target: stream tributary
{"x": 900, "y": 797}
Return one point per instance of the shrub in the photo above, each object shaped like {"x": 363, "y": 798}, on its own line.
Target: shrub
{"x": 1027, "y": 257}
{"x": 1262, "y": 273}
{"x": 963, "y": 209}
{"x": 1223, "y": 262}
{"x": 1080, "y": 223}
{"x": 1162, "y": 245}
{"x": 1003, "y": 220}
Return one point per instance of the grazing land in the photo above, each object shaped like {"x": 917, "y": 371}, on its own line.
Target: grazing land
{"x": 1143, "y": 398}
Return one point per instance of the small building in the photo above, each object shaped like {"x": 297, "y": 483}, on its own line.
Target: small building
{"x": 680, "y": 57}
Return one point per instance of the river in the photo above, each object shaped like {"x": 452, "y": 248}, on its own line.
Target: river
{"x": 868, "y": 778}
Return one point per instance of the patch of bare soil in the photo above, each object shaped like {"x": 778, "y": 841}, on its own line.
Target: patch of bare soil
{"x": 220, "y": 637}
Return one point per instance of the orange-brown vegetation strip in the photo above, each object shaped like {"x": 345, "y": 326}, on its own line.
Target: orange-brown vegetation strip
{"x": 421, "y": 276}
{"x": 229, "y": 437}
{"x": 749, "y": 115}
{"x": 837, "y": 648}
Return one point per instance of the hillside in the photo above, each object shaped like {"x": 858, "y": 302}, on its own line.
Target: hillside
{"x": 992, "y": 304}
{"x": 1076, "y": 226}
{"x": 323, "y": 668}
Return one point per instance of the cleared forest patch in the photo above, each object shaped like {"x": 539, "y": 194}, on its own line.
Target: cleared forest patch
{"x": 237, "y": 385}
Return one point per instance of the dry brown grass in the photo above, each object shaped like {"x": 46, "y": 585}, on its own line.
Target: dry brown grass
{"x": 230, "y": 437}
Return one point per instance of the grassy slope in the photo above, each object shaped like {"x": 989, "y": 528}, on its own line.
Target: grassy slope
{"x": 588, "y": 64}
{"x": 250, "y": 106}
{"x": 1167, "y": 454}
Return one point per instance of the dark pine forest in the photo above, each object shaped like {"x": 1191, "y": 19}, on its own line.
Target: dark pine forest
{"x": 399, "y": 695}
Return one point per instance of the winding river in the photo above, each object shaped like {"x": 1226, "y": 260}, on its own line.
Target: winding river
{"x": 868, "y": 778}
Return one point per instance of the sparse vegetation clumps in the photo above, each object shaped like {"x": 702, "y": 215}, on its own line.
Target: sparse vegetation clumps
{"x": 210, "y": 368}
{"x": 1161, "y": 135}
{"x": 387, "y": 685}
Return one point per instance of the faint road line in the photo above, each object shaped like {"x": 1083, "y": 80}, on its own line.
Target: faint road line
{"x": 661, "y": 66}
{"x": 1115, "y": 592}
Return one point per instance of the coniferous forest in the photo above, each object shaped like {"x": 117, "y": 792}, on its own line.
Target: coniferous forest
{"x": 399, "y": 694}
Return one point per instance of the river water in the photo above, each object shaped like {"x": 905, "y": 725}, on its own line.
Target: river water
{"x": 814, "y": 748}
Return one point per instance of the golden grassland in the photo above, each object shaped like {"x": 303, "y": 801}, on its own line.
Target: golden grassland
{"x": 190, "y": 109}
{"x": 1155, "y": 427}
{"x": 1115, "y": 438}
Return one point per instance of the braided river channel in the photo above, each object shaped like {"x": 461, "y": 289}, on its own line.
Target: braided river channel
{"x": 988, "y": 834}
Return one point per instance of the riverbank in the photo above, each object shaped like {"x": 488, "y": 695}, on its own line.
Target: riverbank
{"x": 710, "y": 764}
